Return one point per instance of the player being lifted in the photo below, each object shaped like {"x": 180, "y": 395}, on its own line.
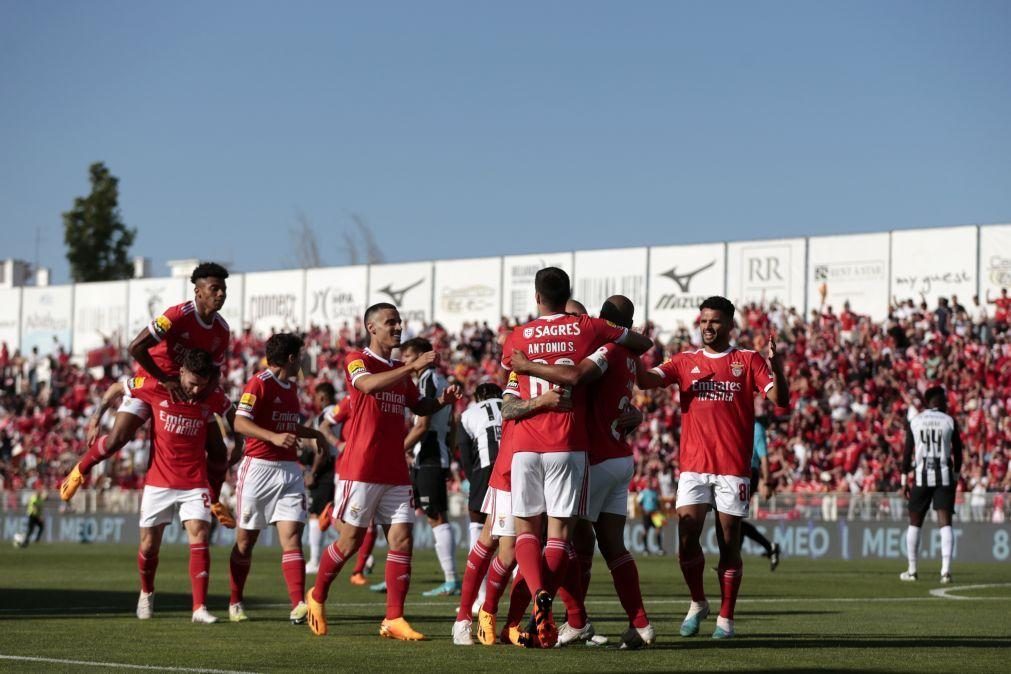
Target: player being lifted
{"x": 930, "y": 466}
{"x": 427, "y": 443}
{"x": 717, "y": 384}
{"x": 177, "y": 477}
{"x": 549, "y": 471}
{"x": 610, "y": 373}
{"x": 374, "y": 478}
{"x": 159, "y": 350}
{"x": 270, "y": 487}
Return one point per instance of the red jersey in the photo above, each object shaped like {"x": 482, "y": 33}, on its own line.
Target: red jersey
{"x": 180, "y": 329}
{"x": 561, "y": 339}
{"x": 179, "y": 436}
{"x": 609, "y": 398}
{"x": 374, "y": 451}
{"x": 501, "y": 472}
{"x": 338, "y": 415}
{"x": 1003, "y": 307}
{"x": 273, "y": 405}
{"x": 717, "y": 407}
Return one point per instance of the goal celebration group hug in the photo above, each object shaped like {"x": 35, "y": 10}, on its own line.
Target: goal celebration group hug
{"x": 553, "y": 436}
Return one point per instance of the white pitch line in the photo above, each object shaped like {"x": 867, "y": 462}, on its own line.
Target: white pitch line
{"x": 120, "y": 665}
{"x": 947, "y": 592}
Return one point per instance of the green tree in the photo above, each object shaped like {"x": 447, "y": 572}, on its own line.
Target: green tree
{"x": 98, "y": 242}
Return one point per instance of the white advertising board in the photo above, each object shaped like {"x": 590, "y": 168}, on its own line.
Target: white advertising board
{"x": 274, "y": 301}
{"x": 995, "y": 261}
{"x": 10, "y": 318}
{"x": 232, "y": 311}
{"x": 407, "y": 286}
{"x": 518, "y": 273}
{"x": 766, "y": 271}
{"x": 46, "y": 318}
{"x": 468, "y": 291}
{"x": 681, "y": 277}
{"x": 100, "y": 315}
{"x": 335, "y": 296}
{"x": 150, "y": 297}
{"x": 602, "y": 273}
{"x": 850, "y": 269}
{"x": 934, "y": 263}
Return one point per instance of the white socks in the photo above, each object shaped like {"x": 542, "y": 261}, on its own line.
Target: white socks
{"x": 443, "y": 534}
{"x": 475, "y": 533}
{"x": 315, "y": 541}
{"x": 947, "y": 547}
{"x": 913, "y": 545}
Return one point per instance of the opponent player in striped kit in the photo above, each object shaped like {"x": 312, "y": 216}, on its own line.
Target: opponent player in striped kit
{"x": 270, "y": 487}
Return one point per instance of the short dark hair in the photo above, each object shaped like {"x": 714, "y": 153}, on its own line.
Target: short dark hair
{"x": 417, "y": 344}
{"x": 935, "y": 395}
{"x": 374, "y": 309}
{"x": 717, "y": 303}
{"x": 199, "y": 362}
{"x": 327, "y": 389}
{"x": 487, "y": 391}
{"x": 282, "y": 346}
{"x": 208, "y": 270}
{"x": 554, "y": 286}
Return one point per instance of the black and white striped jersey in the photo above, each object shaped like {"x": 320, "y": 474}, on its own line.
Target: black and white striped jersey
{"x": 933, "y": 449}
{"x": 433, "y": 448}
{"x": 480, "y": 433}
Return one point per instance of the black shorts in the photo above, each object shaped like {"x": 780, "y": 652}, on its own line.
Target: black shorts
{"x": 429, "y": 484}
{"x": 754, "y": 481}
{"x": 921, "y": 498}
{"x": 321, "y": 494}
{"x": 478, "y": 488}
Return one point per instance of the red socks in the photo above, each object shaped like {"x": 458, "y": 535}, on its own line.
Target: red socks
{"x": 556, "y": 560}
{"x": 625, "y": 575}
{"x": 238, "y": 567}
{"x": 95, "y": 455}
{"x": 519, "y": 599}
{"x": 498, "y": 580}
{"x": 329, "y": 566}
{"x": 398, "y": 581}
{"x": 730, "y": 584}
{"x": 293, "y": 568}
{"x": 692, "y": 570}
{"x": 200, "y": 573}
{"x": 147, "y": 567}
{"x": 528, "y": 556}
{"x": 365, "y": 550}
{"x": 477, "y": 566}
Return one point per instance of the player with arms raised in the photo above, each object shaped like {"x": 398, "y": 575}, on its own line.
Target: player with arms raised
{"x": 375, "y": 483}
{"x": 177, "y": 477}
{"x": 270, "y": 488}
{"x": 549, "y": 471}
{"x": 159, "y": 350}
{"x": 718, "y": 384}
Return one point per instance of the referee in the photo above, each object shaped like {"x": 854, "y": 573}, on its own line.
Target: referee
{"x": 930, "y": 467}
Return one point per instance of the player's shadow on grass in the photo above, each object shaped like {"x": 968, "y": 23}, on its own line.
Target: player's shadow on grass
{"x": 857, "y": 641}
{"x": 17, "y": 603}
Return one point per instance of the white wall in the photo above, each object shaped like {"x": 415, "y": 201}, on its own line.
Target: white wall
{"x": 852, "y": 268}
{"x": 602, "y": 273}
{"x": 518, "y": 273}
{"x": 468, "y": 291}
{"x": 766, "y": 271}
{"x": 934, "y": 262}
{"x": 335, "y": 296}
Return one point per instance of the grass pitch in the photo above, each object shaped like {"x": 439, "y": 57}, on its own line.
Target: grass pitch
{"x": 66, "y": 604}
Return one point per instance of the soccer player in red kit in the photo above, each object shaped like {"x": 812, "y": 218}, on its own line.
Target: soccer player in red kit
{"x": 375, "y": 483}
{"x": 270, "y": 488}
{"x": 177, "y": 476}
{"x": 718, "y": 384}
{"x": 549, "y": 472}
{"x": 159, "y": 350}
{"x": 610, "y": 373}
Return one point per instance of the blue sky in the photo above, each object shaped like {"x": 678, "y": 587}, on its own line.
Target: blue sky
{"x": 464, "y": 129}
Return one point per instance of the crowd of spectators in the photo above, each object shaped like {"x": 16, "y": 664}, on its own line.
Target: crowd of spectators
{"x": 854, "y": 383}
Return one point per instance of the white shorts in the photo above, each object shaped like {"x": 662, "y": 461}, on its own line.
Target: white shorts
{"x": 158, "y": 505}
{"x": 359, "y": 503}
{"x": 728, "y": 494}
{"x": 554, "y": 483}
{"x": 498, "y": 505}
{"x": 609, "y": 482}
{"x": 135, "y": 406}
{"x": 269, "y": 491}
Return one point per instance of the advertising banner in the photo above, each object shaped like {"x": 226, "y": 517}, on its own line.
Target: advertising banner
{"x": 100, "y": 315}
{"x": 995, "y": 262}
{"x": 232, "y": 311}
{"x": 46, "y": 317}
{"x": 766, "y": 271}
{"x": 602, "y": 273}
{"x": 850, "y": 269}
{"x": 10, "y": 318}
{"x": 518, "y": 273}
{"x": 336, "y": 296}
{"x": 681, "y": 277}
{"x": 468, "y": 291}
{"x": 274, "y": 301}
{"x": 407, "y": 286}
{"x": 934, "y": 263}
{"x": 150, "y": 297}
